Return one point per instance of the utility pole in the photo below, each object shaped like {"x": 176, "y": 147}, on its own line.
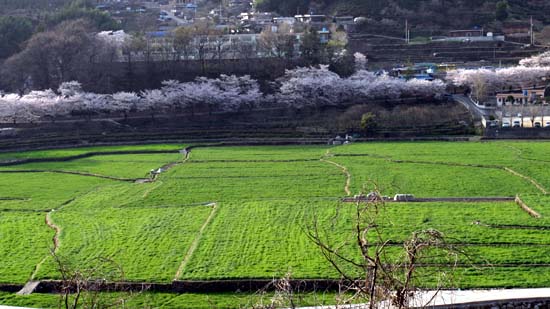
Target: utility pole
{"x": 407, "y": 32}
{"x": 532, "y": 32}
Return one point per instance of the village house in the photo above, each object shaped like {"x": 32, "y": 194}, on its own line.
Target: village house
{"x": 472, "y": 35}
{"x": 311, "y": 19}
{"x": 466, "y": 33}
{"x": 256, "y": 18}
{"x": 526, "y": 96}
{"x": 290, "y": 21}
{"x": 346, "y": 22}
{"x": 517, "y": 30}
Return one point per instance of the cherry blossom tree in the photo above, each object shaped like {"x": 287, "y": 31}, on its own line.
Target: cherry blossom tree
{"x": 13, "y": 109}
{"x": 500, "y": 79}
{"x": 237, "y": 92}
{"x": 320, "y": 87}
{"x": 315, "y": 87}
{"x": 152, "y": 101}
{"x": 45, "y": 103}
{"x": 124, "y": 102}
{"x": 312, "y": 87}
{"x": 542, "y": 60}
{"x": 360, "y": 61}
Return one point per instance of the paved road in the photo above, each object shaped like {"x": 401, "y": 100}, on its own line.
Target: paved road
{"x": 165, "y": 8}
{"x": 476, "y": 111}
{"x": 457, "y": 297}
{"x": 168, "y": 10}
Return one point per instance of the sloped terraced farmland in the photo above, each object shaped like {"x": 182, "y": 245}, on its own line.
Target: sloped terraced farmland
{"x": 244, "y": 212}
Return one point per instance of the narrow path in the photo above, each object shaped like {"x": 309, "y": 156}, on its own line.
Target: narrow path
{"x": 195, "y": 242}
{"x": 151, "y": 189}
{"x": 48, "y": 219}
{"x": 28, "y": 288}
{"x": 520, "y": 155}
{"x": 55, "y": 239}
{"x": 345, "y": 171}
{"x": 186, "y": 158}
{"x": 479, "y": 199}
{"x": 164, "y": 168}
{"x": 57, "y": 229}
{"x": 526, "y": 208}
{"x": 531, "y": 180}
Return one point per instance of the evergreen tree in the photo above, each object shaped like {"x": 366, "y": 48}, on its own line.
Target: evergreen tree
{"x": 13, "y": 32}
{"x": 502, "y": 10}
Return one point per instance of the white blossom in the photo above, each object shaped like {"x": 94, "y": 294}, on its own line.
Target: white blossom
{"x": 494, "y": 80}
{"x": 542, "y": 60}
{"x": 360, "y": 61}
{"x": 298, "y": 88}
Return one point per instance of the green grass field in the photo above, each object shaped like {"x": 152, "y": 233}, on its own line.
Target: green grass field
{"x": 244, "y": 212}
{"x": 181, "y": 301}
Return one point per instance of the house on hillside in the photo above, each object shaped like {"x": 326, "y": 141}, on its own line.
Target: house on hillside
{"x": 346, "y": 22}
{"x": 290, "y": 21}
{"x": 521, "y": 30}
{"x": 473, "y": 35}
{"x": 523, "y": 97}
{"x": 466, "y": 33}
{"x": 312, "y": 19}
{"x": 423, "y": 71}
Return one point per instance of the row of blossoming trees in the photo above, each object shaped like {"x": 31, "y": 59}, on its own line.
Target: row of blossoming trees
{"x": 298, "y": 88}
{"x": 483, "y": 82}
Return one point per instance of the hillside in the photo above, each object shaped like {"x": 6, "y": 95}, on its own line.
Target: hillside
{"x": 426, "y": 16}
{"x": 12, "y": 6}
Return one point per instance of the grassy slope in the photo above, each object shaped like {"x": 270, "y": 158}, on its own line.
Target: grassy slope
{"x": 43, "y": 191}
{"x": 123, "y": 166}
{"x": 82, "y": 150}
{"x": 148, "y": 243}
{"x": 24, "y": 241}
{"x": 267, "y": 196}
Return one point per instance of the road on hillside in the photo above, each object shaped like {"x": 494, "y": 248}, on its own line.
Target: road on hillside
{"x": 168, "y": 10}
{"x": 475, "y": 110}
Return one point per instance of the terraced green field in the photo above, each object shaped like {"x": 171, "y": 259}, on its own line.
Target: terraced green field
{"x": 244, "y": 212}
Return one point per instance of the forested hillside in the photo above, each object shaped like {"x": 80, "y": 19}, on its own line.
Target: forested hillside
{"x": 425, "y": 15}
{"x": 11, "y": 5}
